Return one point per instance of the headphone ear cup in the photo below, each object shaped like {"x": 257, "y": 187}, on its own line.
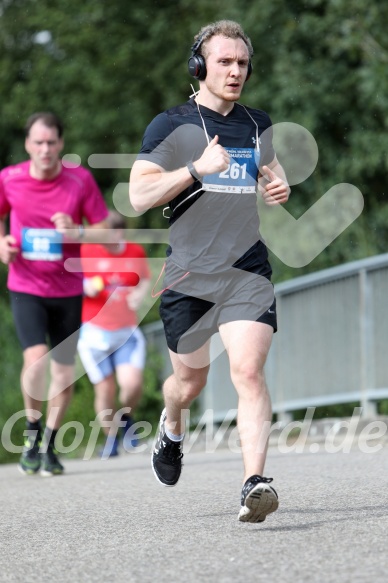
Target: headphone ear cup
{"x": 197, "y": 67}
{"x": 250, "y": 69}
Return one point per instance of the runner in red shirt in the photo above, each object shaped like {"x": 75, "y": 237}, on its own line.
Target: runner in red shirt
{"x": 111, "y": 345}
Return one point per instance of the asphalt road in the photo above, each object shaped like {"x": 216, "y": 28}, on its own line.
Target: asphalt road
{"x": 110, "y": 521}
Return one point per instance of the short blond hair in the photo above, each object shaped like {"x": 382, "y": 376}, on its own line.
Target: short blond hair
{"x": 226, "y": 28}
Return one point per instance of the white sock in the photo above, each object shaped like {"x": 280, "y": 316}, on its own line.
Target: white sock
{"x": 174, "y": 437}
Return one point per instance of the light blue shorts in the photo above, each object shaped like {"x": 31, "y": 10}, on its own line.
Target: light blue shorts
{"x": 101, "y": 351}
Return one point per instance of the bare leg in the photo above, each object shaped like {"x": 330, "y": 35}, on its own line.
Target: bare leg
{"x": 33, "y": 379}
{"x": 183, "y": 386}
{"x": 105, "y": 400}
{"x": 130, "y": 381}
{"x": 247, "y": 344}
{"x": 60, "y": 392}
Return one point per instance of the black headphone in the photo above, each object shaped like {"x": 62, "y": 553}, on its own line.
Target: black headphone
{"x": 197, "y": 66}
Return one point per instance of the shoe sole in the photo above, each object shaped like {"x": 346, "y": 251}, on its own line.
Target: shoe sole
{"x": 28, "y": 472}
{"x": 260, "y": 502}
{"x": 159, "y": 480}
{"x": 47, "y": 474}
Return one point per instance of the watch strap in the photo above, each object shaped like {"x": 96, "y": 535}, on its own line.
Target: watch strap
{"x": 193, "y": 172}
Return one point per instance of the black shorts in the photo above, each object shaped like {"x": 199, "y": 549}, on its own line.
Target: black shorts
{"x": 39, "y": 320}
{"x": 194, "y": 305}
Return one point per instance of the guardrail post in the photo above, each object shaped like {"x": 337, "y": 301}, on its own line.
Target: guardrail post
{"x": 367, "y": 373}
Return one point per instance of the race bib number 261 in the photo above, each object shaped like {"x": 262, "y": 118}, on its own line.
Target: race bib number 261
{"x": 240, "y": 175}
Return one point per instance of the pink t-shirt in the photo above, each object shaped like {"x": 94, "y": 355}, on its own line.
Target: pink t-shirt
{"x": 31, "y": 203}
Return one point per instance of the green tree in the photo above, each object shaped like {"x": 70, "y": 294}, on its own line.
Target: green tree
{"x": 107, "y": 68}
{"x": 322, "y": 66}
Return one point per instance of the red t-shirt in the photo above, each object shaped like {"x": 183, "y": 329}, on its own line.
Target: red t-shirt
{"x": 109, "y": 308}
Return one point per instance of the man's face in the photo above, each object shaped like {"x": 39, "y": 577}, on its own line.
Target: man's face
{"x": 227, "y": 66}
{"x": 44, "y": 147}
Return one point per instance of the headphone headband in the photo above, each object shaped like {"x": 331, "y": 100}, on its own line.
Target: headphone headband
{"x": 197, "y": 44}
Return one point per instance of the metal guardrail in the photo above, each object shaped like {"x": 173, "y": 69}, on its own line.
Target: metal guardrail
{"x": 331, "y": 346}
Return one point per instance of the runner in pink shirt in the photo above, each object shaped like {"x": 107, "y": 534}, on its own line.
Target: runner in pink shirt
{"x": 47, "y": 204}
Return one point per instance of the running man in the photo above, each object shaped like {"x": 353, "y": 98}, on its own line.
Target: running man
{"x": 47, "y": 204}
{"x": 203, "y": 161}
{"x": 111, "y": 345}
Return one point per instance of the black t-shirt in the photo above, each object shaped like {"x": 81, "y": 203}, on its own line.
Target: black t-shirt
{"x": 214, "y": 223}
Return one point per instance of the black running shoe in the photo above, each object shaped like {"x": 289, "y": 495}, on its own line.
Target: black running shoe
{"x": 51, "y": 466}
{"x": 167, "y": 456}
{"x": 30, "y": 460}
{"x": 258, "y": 499}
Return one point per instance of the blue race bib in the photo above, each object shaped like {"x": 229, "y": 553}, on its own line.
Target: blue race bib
{"x": 240, "y": 175}
{"x": 41, "y": 244}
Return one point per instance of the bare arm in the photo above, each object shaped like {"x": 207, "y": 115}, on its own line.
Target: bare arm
{"x": 8, "y": 249}
{"x": 273, "y": 184}
{"x": 137, "y": 294}
{"x": 95, "y": 233}
{"x": 64, "y": 224}
{"x": 3, "y": 230}
{"x": 151, "y": 186}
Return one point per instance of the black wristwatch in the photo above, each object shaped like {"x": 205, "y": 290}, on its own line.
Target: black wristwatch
{"x": 193, "y": 172}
